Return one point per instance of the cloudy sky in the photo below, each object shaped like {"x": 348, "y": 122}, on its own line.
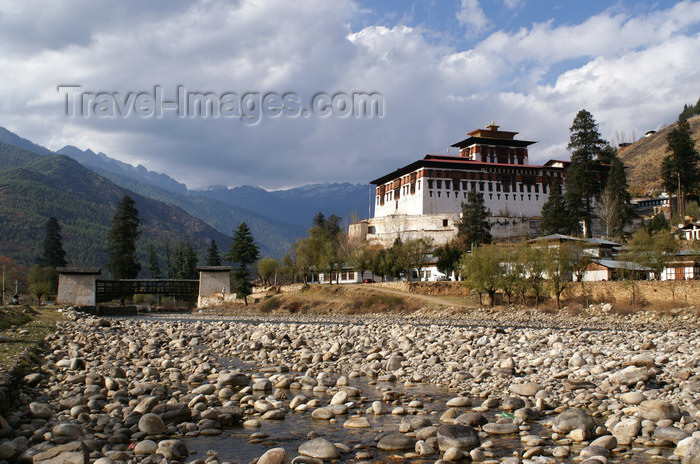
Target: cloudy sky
{"x": 442, "y": 68}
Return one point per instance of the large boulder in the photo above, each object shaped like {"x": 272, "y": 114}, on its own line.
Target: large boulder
{"x": 74, "y": 452}
{"x": 573, "y": 419}
{"x": 396, "y": 442}
{"x": 319, "y": 448}
{"x": 629, "y": 376}
{"x": 462, "y": 437}
{"x": 657, "y": 410}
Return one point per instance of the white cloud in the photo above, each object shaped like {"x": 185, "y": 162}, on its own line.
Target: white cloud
{"x": 633, "y": 72}
{"x": 513, "y": 4}
{"x": 472, "y": 16}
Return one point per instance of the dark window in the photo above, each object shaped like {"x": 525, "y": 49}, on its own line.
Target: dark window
{"x": 430, "y": 183}
{"x": 445, "y": 222}
{"x": 438, "y": 184}
{"x": 537, "y": 188}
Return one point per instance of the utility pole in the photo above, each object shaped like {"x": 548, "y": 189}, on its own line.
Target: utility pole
{"x": 3, "y": 285}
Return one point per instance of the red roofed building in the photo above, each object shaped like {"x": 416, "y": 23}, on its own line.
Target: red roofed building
{"x": 425, "y": 198}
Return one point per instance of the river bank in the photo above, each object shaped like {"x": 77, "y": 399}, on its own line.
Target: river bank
{"x": 354, "y": 389}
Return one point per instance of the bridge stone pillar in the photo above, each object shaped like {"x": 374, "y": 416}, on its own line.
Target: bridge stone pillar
{"x": 76, "y": 285}
{"x": 214, "y": 283}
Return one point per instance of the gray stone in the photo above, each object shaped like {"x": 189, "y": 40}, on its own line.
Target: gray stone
{"x": 40, "y": 410}
{"x": 512, "y": 403}
{"x": 657, "y": 410}
{"x": 396, "y": 442}
{"x": 629, "y": 376}
{"x": 459, "y": 436}
{"x": 356, "y": 423}
{"x": 319, "y": 448}
{"x": 8, "y": 451}
{"x": 322, "y": 414}
{"x": 472, "y": 419}
{"x": 172, "y": 449}
{"x": 67, "y": 430}
{"x": 572, "y": 419}
{"x": 670, "y": 433}
{"x": 626, "y": 430}
{"x": 459, "y": 402}
{"x": 151, "y": 424}
{"x": 693, "y": 453}
{"x": 74, "y": 452}
{"x": 274, "y": 456}
{"x": 146, "y": 447}
{"x": 500, "y": 429}
{"x": 606, "y": 441}
{"x": 526, "y": 389}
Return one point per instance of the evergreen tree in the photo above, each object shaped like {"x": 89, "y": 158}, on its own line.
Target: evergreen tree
{"x": 169, "y": 270}
{"x": 555, "y": 215}
{"x": 582, "y": 184}
{"x": 657, "y": 223}
{"x": 617, "y": 191}
{"x": 189, "y": 268}
{"x": 474, "y": 229}
{"x": 185, "y": 266}
{"x": 243, "y": 252}
{"x": 448, "y": 257}
{"x": 53, "y": 253}
{"x": 213, "y": 257}
{"x": 153, "y": 264}
{"x": 122, "y": 241}
{"x": 681, "y": 164}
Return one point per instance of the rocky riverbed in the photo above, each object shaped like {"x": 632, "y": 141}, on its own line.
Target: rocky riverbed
{"x": 388, "y": 389}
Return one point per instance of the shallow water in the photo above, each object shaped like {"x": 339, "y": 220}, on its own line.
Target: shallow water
{"x": 235, "y": 444}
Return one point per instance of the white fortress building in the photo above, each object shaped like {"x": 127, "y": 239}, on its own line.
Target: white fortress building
{"x": 425, "y": 198}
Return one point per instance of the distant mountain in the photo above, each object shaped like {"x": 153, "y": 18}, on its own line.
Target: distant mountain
{"x": 276, "y": 218}
{"x": 139, "y": 173}
{"x": 643, "y": 158}
{"x": 34, "y": 188}
{"x": 274, "y": 237}
{"x": 11, "y": 138}
{"x": 299, "y": 205}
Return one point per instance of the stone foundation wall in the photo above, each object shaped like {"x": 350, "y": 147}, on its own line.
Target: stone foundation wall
{"x": 685, "y": 292}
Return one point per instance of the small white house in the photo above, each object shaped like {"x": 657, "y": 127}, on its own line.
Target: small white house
{"x": 690, "y": 232}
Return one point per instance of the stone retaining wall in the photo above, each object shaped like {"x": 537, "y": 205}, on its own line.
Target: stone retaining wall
{"x": 685, "y": 292}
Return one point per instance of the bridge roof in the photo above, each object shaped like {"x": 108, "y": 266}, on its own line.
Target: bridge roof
{"x": 79, "y": 270}
{"x": 214, "y": 268}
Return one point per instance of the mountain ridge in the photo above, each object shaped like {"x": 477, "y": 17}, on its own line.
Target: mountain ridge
{"x": 41, "y": 186}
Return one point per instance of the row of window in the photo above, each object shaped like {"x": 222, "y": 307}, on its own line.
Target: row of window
{"x": 498, "y": 196}
{"x": 437, "y": 183}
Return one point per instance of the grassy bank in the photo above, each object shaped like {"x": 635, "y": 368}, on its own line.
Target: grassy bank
{"x": 22, "y": 329}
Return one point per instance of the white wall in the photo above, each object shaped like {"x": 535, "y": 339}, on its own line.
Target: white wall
{"x": 77, "y": 289}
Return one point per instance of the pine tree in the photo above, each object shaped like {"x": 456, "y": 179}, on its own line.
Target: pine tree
{"x": 582, "y": 184}
{"x": 680, "y": 167}
{"x": 213, "y": 257}
{"x": 122, "y": 240}
{"x": 169, "y": 270}
{"x": 243, "y": 252}
{"x": 185, "y": 265}
{"x": 153, "y": 264}
{"x": 53, "y": 253}
{"x": 555, "y": 215}
{"x": 189, "y": 269}
{"x": 617, "y": 190}
{"x": 474, "y": 229}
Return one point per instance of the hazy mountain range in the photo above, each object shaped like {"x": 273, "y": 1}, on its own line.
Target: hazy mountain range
{"x": 277, "y": 218}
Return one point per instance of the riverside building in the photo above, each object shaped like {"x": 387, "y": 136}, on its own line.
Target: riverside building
{"x": 424, "y": 198}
